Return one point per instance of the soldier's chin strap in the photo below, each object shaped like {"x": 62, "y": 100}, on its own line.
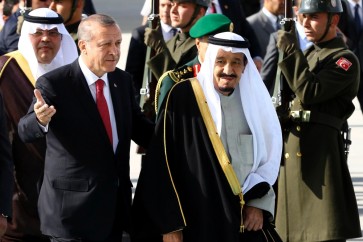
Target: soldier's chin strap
{"x": 195, "y": 13}
{"x": 73, "y": 9}
{"x": 330, "y": 16}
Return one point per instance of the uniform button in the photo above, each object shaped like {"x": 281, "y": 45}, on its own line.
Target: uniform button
{"x": 298, "y": 154}
{"x": 287, "y": 155}
{"x": 298, "y": 128}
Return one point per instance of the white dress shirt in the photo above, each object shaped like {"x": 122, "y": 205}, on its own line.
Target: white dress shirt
{"x": 91, "y": 79}
{"x": 271, "y": 17}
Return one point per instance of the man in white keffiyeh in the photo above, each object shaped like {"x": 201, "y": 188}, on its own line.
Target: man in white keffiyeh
{"x": 44, "y": 45}
{"x": 243, "y": 113}
{"x": 44, "y": 42}
{"x": 182, "y": 186}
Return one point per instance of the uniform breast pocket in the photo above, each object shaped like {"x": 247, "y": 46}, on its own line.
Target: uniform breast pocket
{"x": 245, "y": 148}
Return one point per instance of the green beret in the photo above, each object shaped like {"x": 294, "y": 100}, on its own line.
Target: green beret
{"x": 211, "y": 24}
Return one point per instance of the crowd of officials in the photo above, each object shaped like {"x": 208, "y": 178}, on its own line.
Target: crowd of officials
{"x": 240, "y": 112}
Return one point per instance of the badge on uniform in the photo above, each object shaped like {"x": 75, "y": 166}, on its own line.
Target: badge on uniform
{"x": 344, "y": 63}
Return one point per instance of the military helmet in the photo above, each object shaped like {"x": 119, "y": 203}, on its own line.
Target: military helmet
{"x": 203, "y": 3}
{"x": 318, "y": 6}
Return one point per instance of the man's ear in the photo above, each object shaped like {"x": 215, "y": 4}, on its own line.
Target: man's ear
{"x": 82, "y": 46}
{"x": 335, "y": 19}
{"x": 197, "y": 42}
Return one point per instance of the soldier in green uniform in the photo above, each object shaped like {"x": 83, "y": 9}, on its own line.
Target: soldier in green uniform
{"x": 181, "y": 48}
{"x": 206, "y": 26}
{"x": 316, "y": 200}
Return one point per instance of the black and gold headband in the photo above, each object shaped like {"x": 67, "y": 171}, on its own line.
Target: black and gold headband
{"x": 43, "y": 20}
{"x": 229, "y": 43}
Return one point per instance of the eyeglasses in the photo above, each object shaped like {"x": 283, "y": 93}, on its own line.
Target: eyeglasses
{"x": 50, "y": 33}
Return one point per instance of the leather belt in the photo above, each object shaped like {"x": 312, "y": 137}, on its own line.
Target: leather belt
{"x": 307, "y": 116}
{"x": 300, "y": 116}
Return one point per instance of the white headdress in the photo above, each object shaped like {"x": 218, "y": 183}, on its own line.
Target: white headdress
{"x": 259, "y": 110}
{"x": 45, "y": 19}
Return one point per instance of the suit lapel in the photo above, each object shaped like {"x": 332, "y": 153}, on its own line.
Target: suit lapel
{"x": 117, "y": 101}
{"x": 83, "y": 95}
{"x": 267, "y": 26}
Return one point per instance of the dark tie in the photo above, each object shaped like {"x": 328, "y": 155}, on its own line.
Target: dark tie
{"x": 277, "y": 24}
{"x": 103, "y": 108}
{"x": 174, "y": 31}
{"x": 358, "y": 24}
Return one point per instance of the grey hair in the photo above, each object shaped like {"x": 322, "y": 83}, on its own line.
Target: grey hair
{"x": 86, "y": 27}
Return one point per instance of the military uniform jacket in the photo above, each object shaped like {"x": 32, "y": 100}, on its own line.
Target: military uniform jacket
{"x": 174, "y": 55}
{"x": 316, "y": 200}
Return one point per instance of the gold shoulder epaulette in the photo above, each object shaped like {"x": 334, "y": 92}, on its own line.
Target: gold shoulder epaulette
{"x": 182, "y": 73}
{"x": 157, "y": 88}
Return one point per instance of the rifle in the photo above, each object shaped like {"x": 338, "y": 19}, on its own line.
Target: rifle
{"x": 27, "y": 8}
{"x": 149, "y": 82}
{"x": 147, "y": 91}
{"x": 282, "y": 94}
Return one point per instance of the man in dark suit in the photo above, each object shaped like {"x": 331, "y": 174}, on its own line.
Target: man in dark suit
{"x": 354, "y": 37}
{"x": 266, "y": 21}
{"x": 88, "y": 113}
{"x": 6, "y": 172}
{"x": 234, "y": 10}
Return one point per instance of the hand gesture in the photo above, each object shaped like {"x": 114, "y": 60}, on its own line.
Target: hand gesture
{"x": 43, "y": 112}
{"x": 287, "y": 41}
{"x": 154, "y": 39}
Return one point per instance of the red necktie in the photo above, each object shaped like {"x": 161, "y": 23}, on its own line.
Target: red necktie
{"x": 102, "y": 107}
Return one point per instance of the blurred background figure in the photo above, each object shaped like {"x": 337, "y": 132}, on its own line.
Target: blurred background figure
{"x": 89, "y": 8}
{"x": 1, "y": 14}
{"x": 71, "y": 12}
{"x": 354, "y": 36}
{"x": 137, "y": 49}
{"x": 266, "y": 21}
{"x": 8, "y": 8}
